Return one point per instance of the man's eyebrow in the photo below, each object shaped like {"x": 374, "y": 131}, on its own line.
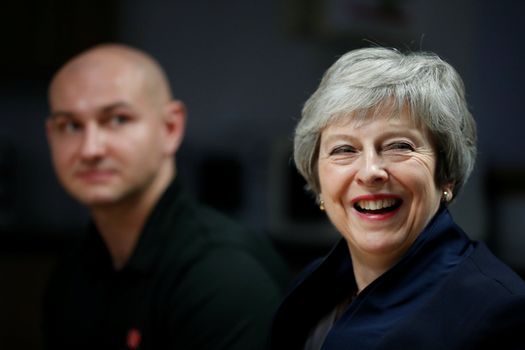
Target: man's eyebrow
{"x": 105, "y": 109}
{"x": 59, "y": 114}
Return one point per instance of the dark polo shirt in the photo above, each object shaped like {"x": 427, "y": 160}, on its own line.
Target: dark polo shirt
{"x": 196, "y": 280}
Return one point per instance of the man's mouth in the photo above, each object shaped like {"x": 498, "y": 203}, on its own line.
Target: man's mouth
{"x": 378, "y": 206}
{"x": 95, "y": 175}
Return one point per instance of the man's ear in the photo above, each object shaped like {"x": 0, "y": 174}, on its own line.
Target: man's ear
{"x": 175, "y": 123}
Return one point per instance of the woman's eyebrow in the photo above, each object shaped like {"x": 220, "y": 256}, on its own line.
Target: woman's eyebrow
{"x": 337, "y": 137}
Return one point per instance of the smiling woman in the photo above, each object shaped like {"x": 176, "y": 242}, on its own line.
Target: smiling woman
{"x": 377, "y": 185}
{"x": 385, "y": 143}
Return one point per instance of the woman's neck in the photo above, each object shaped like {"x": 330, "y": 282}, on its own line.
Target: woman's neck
{"x": 367, "y": 268}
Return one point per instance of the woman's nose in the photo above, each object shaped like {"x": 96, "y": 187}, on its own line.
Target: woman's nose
{"x": 372, "y": 170}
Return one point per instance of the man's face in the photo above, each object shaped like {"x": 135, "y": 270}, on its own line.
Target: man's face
{"x": 106, "y": 134}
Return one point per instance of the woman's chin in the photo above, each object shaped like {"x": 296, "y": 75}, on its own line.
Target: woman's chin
{"x": 381, "y": 247}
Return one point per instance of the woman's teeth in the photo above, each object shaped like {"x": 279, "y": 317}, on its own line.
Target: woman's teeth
{"x": 377, "y": 204}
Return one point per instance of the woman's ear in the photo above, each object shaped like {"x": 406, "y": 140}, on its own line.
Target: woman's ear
{"x": 447, "y": 193}
{"x": 174, "y": 123}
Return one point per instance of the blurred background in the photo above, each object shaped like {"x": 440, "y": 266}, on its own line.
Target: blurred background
{"x": 244, "y": 69}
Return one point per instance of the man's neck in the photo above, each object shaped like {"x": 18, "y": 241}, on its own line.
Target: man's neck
{"x": 121, "y": 224}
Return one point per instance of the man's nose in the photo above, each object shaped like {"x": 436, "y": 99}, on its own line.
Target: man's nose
{"x": 93, "y": 142}
{"x": 372, "y": 170}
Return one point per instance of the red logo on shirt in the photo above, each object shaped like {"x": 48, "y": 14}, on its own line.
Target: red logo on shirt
{"x": 133, "y": 339}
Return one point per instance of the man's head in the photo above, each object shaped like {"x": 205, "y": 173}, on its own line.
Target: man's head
{"x": 113, "y": 127}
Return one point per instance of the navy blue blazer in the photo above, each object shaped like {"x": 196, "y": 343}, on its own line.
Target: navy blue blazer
{"x": 447, "y": 292}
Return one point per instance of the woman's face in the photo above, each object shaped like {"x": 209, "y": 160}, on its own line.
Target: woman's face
{"x": 377, "y": 183}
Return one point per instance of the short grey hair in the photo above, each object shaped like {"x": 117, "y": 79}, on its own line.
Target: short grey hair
{"x": 364, "y": 82}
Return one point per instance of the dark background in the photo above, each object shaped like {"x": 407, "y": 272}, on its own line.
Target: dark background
{"x": 244, "y": 69}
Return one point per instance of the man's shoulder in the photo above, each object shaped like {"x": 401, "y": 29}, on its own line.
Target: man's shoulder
{"x": 201, "y": 227}
{"x": 200, "y": 234}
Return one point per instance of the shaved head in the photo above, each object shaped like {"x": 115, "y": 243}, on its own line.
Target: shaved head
{"x": 112, "y": 114}
{"x": 145, "y": 69}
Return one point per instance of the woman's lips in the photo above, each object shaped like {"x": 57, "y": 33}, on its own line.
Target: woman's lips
{"x": 377, "y": 206}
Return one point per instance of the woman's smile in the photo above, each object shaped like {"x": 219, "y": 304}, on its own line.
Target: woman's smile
{"x": 378, "y": 206}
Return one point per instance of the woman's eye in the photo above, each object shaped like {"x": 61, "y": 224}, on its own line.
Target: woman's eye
{"x": 400, "y": 146}
{"x": 342, "y": 150}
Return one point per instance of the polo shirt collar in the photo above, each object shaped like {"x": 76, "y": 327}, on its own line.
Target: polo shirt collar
{"x": 150, "y": 241}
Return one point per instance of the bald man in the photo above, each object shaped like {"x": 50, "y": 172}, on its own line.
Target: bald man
{"x": 156, "y": 270}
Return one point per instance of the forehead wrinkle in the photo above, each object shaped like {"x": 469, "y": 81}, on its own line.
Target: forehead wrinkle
{"x": 397, "y": 127}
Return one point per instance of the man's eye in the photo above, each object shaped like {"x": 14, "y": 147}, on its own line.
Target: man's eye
{"x": 69, "y": 126}
{"x": 118, "y": 119}
{"x": 343, "y": 149}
